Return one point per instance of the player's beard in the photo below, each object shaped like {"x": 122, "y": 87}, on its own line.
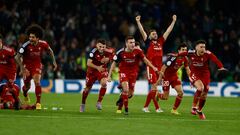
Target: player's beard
{"x": 154, "y": 38}
{"x": 33, "y": 42}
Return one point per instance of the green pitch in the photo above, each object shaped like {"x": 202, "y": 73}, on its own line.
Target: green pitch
{"x": 223, "y": 118}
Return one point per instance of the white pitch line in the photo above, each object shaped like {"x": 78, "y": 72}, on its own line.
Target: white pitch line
{"x": 103, "y": 118}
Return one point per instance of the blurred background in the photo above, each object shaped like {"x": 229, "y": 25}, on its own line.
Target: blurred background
{"x": 72, "y": 27}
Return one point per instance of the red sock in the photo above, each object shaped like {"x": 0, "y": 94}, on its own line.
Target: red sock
{"x": 101, "y": 94}
{"x": 84, "y": 96}
{"x": 148, "y": 100}
{"x": 25, "y": 91}
{"x": 153, "y": 95}
{"x": 178, "y": 101}
{"x": 196, "y": 98}
{"x": 125, "y": 99}
{"x": 38, "y": 93}
{"x": 201, "y": 104}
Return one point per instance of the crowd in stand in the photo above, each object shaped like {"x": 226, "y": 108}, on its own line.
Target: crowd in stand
{"x": 72, "y": 27}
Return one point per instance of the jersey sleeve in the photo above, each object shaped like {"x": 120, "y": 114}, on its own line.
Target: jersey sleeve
{"x": 23, "y": 48}
{"x": 12, "y": 53}
{"x": 213, "y": 58}
{"x": 170, "y": 60}
{"x": 141, "y": 54}
{"x": 91, "y": 54}
{"x": 45, "y": 45}
{"x": 117, "y": 57}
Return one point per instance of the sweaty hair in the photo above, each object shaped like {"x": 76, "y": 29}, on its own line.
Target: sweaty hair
{"x": 151, "y": 30}
{"x": 128, "y": 37}
{"x": 35, "y": 29}
{"x": 199, "y": 42}
{"x": 182, "y": 45}
{"x": 102, "y": 41}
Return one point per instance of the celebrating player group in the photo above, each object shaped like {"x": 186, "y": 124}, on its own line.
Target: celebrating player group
{"x": 103, "y": 59}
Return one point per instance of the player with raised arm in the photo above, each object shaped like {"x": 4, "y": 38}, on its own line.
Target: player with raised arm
{"x": 200, "y": 75}
{"x": 127, "y": 59}
{"x": 97, "y": 63}
{"x": 168, "y": 76}
{"x": 29, "y": 57}
{"x": 154, "y": 54}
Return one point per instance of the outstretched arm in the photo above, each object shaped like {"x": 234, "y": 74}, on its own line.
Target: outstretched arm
{"x": 161, "y": 74}
{"x": 23, "y": 71}
{"x": 170, "y": 27}
{"x": 147, "y": 62}
{"x": 140, "y": 27}
{"x": 53, "y": 58}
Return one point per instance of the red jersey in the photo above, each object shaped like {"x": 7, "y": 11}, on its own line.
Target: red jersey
{"x": 129, "y": 61}
{"x": 96, "y": 57}
{"x": 199, "y": 65}
{"x": 155, "y": 52}
{"x": 173, "y": 63}
{"x": 7, "y": 58}
{"x": 32, "y": 54}
{"x": 5, "y": 95}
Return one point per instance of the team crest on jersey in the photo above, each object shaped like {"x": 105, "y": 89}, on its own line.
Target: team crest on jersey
{"x": 31, "y": 50}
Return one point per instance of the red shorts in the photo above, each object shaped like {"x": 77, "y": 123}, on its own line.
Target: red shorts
{"x": 32, "y": 71}
{"x": 128, "y": 77}
{"x": 8, "y": 74}
{"x": 152, "y": 75}
{"x": 205, "y": 78}
{"x": 93, "y": 76}
{"x": 170, "y": 81}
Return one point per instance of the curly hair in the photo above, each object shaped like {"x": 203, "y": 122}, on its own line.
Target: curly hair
{"x": 35, "y": 29}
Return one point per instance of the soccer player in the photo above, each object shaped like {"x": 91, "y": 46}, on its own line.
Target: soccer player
{"x": 128, "y": 58}
{"x": 8, "y": 67}
{"x": 119, "y": 102}
{"x": 29, "y": 57}
{"x": 169, "y": 76}
{"x": 200, "y": 75}
{"x": 97, "y": 63}
{"x": 9, "y": 98}
{"x": 154, "y": 54}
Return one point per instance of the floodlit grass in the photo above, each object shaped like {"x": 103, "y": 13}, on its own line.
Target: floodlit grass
{"x": 223, "y": 117}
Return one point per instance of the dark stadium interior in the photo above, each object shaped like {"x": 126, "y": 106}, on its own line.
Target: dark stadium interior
{"x": 71, "y": 28}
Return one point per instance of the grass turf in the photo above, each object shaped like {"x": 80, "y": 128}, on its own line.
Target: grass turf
{"x": 222, "y": 117}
